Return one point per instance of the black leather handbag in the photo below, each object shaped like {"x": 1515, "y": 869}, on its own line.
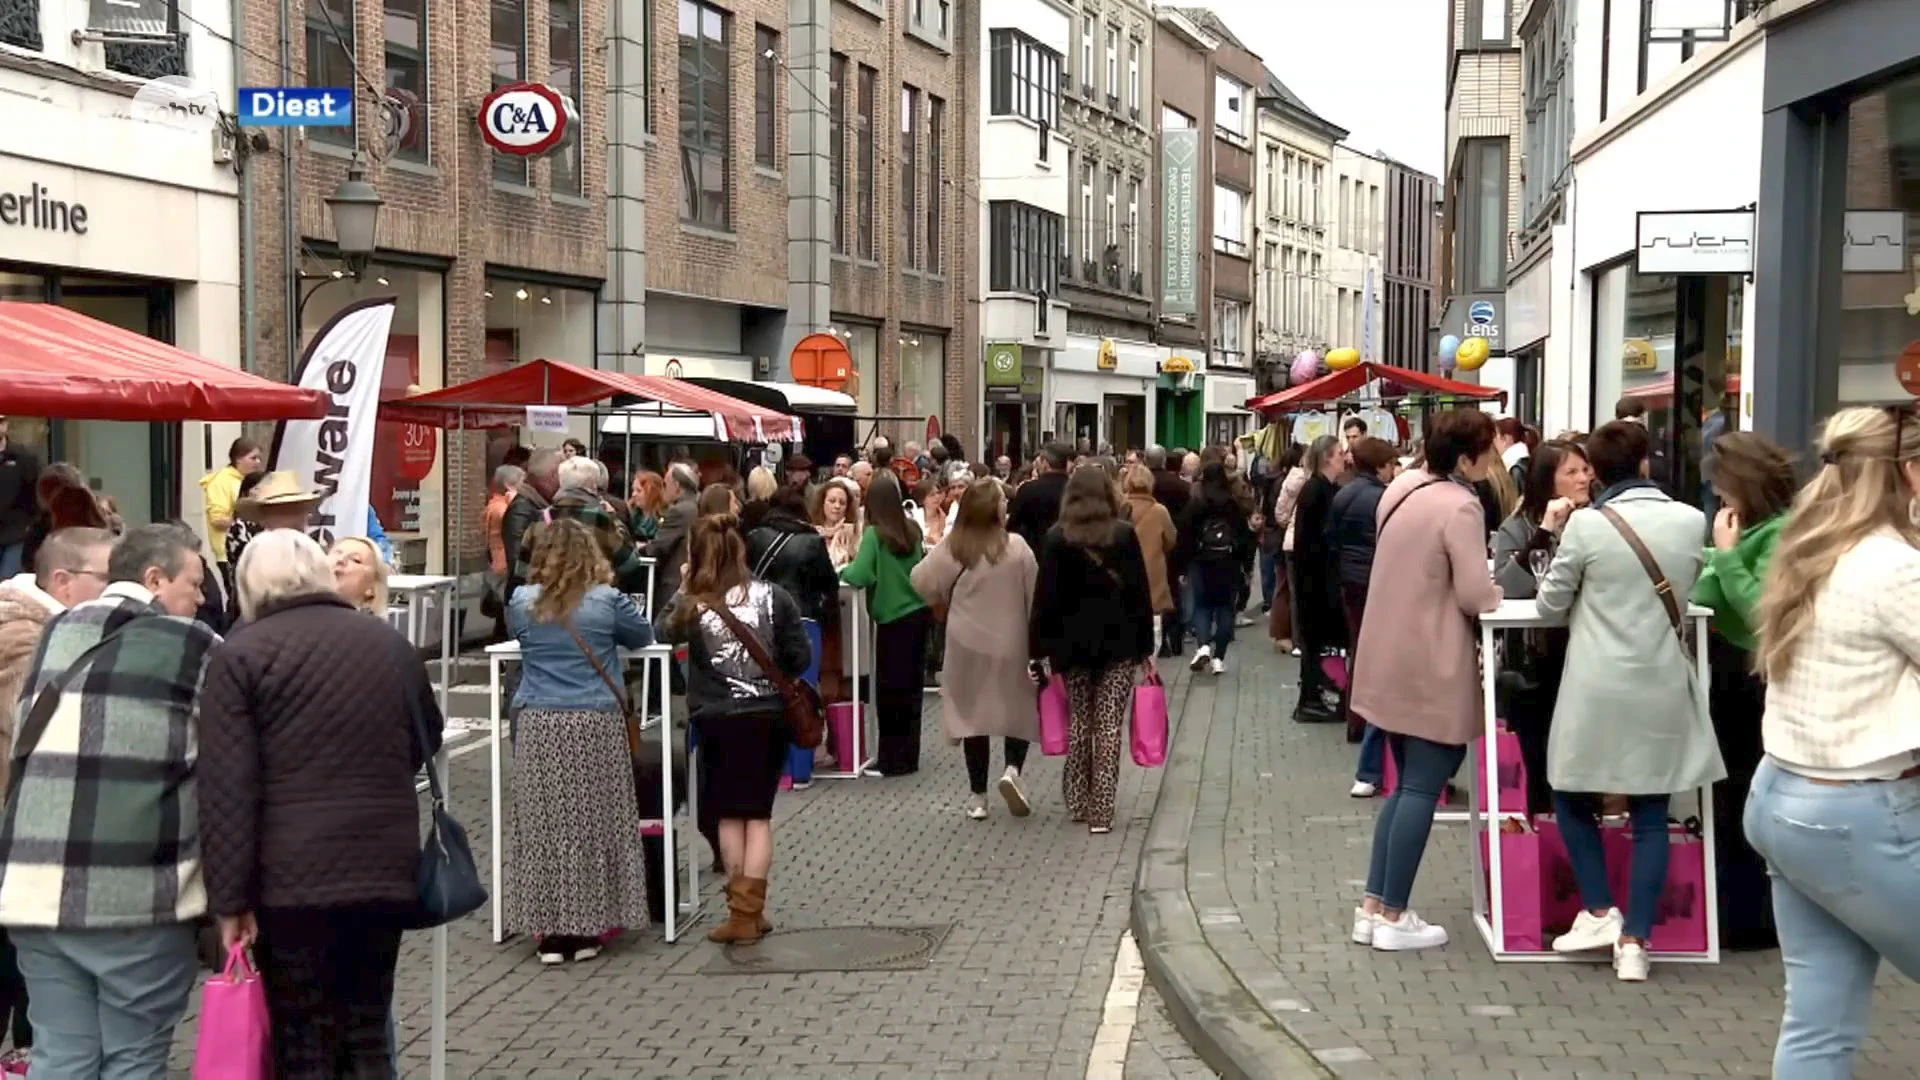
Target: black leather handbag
{"x": 447, "y": 881}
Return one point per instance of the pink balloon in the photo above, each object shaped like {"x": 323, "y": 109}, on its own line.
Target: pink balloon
{"x": 1306, "y": 367}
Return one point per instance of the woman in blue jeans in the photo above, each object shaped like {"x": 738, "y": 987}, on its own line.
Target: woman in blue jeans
{"x": 1835, "y": 805}
{"x": 1419, "y": 680}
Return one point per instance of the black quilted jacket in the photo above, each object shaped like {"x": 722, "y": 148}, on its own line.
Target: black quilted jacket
{"x": 308, "y": 758}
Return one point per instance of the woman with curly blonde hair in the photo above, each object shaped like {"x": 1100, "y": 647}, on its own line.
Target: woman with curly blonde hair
{"x": 575, "y": 869}
{"x": 1832, "y": 805}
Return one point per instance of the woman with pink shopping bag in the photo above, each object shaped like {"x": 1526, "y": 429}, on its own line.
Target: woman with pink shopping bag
{"x": 1093, "y": 624}
{"x": 232, "y": 1040}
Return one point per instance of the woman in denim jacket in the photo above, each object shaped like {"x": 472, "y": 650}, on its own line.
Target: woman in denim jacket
{"x": 575, "y": 866}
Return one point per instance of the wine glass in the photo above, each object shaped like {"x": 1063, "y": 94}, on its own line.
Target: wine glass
{"x": 1539, "y": 559}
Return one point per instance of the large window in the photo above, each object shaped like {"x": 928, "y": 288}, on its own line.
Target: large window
{"x": 1229, "y": 221}
{"x": 1270, "y": 283}
{"x": 1489, "y": 22}
{"x": 1133, "y": 78}
{"x": 1085, "y": 225}
{"x": 909, "y": 177}
{"x": 1229, "y": 347}
{"x": 1375, "y": 223}
{"x": 1113, "y": 67}
{"x": 1025, "y": 249}
{"x": 1133, "y": 235}
{"x": 330, "y": 57}
{"x": 706, "y": 87}
{"x": 563, "y": 70}
{"x": 406, "y": 24}
{"x": 936, "y": 177}
{"x": 923, "y": 373}
{"x": 1309, "y": 272}
{"x": 1232, "y": 114}
{"x": 1480, "y": 224}
{"x": 1319, "y": 177}
{"x": 869, "y": 244}
{"x": 1026, "y": 79}
{"x": 508, "y": 19}
{"x": 1548, "y": 95}
{"x": 837, "y": 145}
{"x": 1110, "y": 254}
{"x": 766, "y": 97}
{"x": 1086, "y": 55}
{"x": 1671, "y": 31}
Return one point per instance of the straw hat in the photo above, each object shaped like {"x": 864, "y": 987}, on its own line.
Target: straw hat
{"x": 279, "y": 489}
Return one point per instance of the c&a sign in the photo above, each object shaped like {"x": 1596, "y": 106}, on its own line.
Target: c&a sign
{"x": 527, "y": 119}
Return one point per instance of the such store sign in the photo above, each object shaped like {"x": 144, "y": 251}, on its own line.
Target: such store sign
{"x": 1694, "y": 242}
{"x": 527, "y": 120}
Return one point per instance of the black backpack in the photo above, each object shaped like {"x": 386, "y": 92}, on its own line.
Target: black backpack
{"x": 1216, "y": 539}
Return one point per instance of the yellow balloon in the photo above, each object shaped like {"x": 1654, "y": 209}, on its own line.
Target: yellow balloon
{"x": 1472, "y": 354}
{"x": 1342, "y": 359}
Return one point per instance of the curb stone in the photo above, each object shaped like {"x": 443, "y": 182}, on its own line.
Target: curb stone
{"x": 1214, "y": 1011}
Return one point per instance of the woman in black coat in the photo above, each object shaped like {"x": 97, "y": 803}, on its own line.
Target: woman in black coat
{"x": 1320, "y": 625}
{"x": 1350, "y": 535}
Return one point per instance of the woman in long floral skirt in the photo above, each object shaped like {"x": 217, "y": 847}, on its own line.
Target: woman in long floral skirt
{"x": 574, "y": 869}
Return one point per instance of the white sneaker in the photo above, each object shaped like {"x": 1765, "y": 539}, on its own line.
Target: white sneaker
{"x": 1630, "y": 961}
{"x": 1363, "y": 790}
{"x": 1200, "y": 657}
{"x": 1010, "y": 790}
{"x": 1364, "y": 923}
{"x": 1219, "y": 666}
{"x": 977, "y": 807}
{"x": 1590, "y": 932}
{"x": 1409, "y": 932}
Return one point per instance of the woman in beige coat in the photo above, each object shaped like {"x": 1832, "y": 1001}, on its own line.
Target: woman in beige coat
{"x": 982, "y": 577}
{"x": 1420, "y": 681}
{"x": 1154, "y": 526}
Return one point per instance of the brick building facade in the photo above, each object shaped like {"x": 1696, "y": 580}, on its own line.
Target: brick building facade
{"x": 493, "y": 263}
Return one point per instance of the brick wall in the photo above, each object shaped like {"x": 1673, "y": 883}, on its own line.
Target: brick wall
{"x": 448, "y": 208}
{"x": 749, "y": 264}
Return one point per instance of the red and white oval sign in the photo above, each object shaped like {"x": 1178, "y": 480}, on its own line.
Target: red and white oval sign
{"x": 525, "y": 119}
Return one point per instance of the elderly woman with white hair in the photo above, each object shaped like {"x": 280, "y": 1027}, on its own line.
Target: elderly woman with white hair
{"x": 581, "y": 498}
{"x": 314, "y": 721}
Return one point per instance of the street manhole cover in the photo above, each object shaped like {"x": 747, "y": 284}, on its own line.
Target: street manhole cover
{"x": 833, "y": 948}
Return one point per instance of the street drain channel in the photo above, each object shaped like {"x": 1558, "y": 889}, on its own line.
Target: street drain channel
{"x": 833, "y": 948}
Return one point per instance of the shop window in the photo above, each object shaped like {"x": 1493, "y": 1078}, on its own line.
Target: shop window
{"x": 406, "y": 489}
{"x": 706, "y": 87}
{"x": 837, "y": 146}
{"x": 330, "y": 41}
{"x": 863, "y": 347}
{"x": 563, "y": 71}
{"x": 923, "y": 373}
{"x": 406, "y": 26}
{"x": 1877, "y": 275}
{"x": 508, "y": 19}
{"x": 529, "y": 320}
{"x": 766, "y": 97}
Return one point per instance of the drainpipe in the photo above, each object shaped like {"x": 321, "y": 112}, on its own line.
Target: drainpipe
{"x": 289, "y": 228}
{"x": 244, "y": 169}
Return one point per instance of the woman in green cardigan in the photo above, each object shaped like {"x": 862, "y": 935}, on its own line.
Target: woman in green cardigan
{"x": 883, "y": 566}
{"x": 1754, "y": 482}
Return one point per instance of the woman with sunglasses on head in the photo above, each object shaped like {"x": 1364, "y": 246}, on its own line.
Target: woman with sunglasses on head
{"x": 1836, "y": 802}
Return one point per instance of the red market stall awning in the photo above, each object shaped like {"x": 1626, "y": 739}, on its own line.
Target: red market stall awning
{"x": 61, "y": 364}
{"x": 1662, "y": 388}
{"x": 1330, "y": 388}
{"x": 501, "y": 400}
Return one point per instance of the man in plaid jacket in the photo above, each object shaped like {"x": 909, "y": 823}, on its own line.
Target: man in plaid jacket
{"x": 100, "y": 843}
{"x": 578, "y": 499}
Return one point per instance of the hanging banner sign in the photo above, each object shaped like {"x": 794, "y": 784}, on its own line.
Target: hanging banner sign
{"x": 334, "y": 455}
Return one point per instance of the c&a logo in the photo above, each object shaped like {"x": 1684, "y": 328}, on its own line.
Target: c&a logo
{"x": 526, "y": 119}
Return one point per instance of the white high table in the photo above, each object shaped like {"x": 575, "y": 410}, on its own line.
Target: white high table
{"x": 655, "y": 671}
{"x": 1487, "y": 893}
{"x": 415, "y": 592}
{"x": 857, "y": 636}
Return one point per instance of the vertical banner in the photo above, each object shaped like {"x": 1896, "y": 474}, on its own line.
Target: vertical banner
{"x": 1180, "y": 221}
{"x": 334, "y": 455}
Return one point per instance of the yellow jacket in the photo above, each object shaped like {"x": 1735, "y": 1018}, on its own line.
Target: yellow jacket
{"x": 222, "y": 489}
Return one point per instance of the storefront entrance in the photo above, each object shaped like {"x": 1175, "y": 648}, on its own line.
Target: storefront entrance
{"x": 1126, "y": 422}
{"x": 135, "y": 463}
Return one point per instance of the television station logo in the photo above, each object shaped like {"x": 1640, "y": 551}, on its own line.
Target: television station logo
{"x": 177, "y": 102}
{"x": 295, "y": 106}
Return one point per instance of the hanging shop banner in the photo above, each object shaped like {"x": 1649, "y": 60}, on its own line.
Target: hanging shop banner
{"x": 1695, "y": 242}
{"x": 1180, "y": 221}
{"x": 1004, "y": 364}
{"x": 334, "y": 455}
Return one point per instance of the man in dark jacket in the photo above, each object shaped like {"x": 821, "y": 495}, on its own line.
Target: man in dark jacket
{"x": 1036, "y": 506}
{"x": 577, "y": 498}
{"x": 669, "y": 544}
{"x": 526, "y": 510}
{"x": 1173, "y": 492}
{"x": 19, "y": 472}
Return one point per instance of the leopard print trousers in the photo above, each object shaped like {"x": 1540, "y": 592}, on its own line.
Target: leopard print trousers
{"x": 1097, "y": 701}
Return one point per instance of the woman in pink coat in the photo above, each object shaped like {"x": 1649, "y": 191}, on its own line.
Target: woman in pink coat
{"x": 1420, "y": 682}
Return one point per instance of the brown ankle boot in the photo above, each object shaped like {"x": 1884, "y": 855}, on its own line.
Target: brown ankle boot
{"x": 743, "y": 914}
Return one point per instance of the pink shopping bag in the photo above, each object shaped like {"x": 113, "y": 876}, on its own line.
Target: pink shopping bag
{"x": 1680, "y": 923}
{"x": 1334, "y": 667}
{"x": 841, "y": 716}
{"x": 1511, "y": 768}
{"x": 1538, "y": 896}
{"x": 232, "y": 1043}
{"x": 1149, "y": 727}
{"x": 1053, "y": 716}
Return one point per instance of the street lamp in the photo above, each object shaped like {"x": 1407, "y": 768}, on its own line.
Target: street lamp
{"x": 356, "y": 216}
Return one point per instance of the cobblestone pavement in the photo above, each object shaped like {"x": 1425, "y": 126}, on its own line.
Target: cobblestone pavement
{"x": 1289, "y": 850}
{"x": 1016, "y": 990}
{"x": 1157, "y": 1052}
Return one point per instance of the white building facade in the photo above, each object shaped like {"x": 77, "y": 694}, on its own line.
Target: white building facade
{"x": 146, "y": 235}
{"x": 1357, "y": 231}
{"x": 1024, "y": 192}
{"x": 1293, "y": 209}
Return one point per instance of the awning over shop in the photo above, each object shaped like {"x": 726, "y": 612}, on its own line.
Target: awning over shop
{"x": 1662, "y": 387}
{"x": 59, "y": 363}
{"x": 501, "y": 400}
{"x": 1395, "y": 382}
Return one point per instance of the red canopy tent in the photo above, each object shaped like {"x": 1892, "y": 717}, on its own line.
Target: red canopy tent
{"x": 1332, "y": 387}
{"x": 60, "y": 363}
{"x": 501, "y": 400}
